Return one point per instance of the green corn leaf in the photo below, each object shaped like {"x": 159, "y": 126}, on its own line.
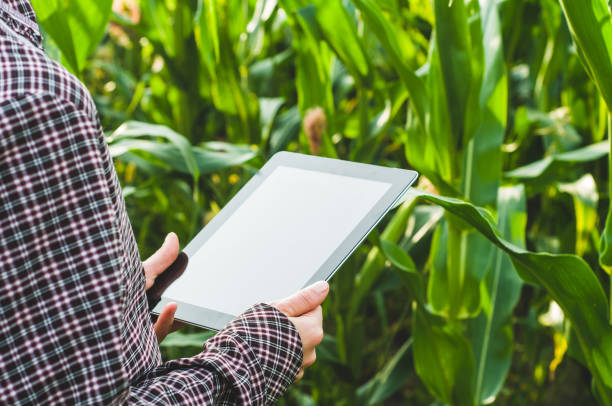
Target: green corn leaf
{"x": 208, "y": 159}
{"x": 454, "y": 47}
{"x": 207, "y": 36}
{"x": 135, "y": 129}
{"x": 386, "y": 34}
{"x": 212, "y": 156}
{"x": 554, "y": 164}
{"x": 178, "y": 154}
{"x": 390, "y": 379}
{"x": 314, "y": 86}
{"x": 453, "y": 271}
{"x": 340, "y": 32}
{"x": 566, "y": 278}
{"x": 328, "y": 350}
{"x": 437, "y": 287}
{"x": 76, "y": 27}
{"x": 406, "y": 269}
{"x": 314, "y": 64}
{"x": 605, "y": 250}
{"x": 301, "y": 399}
{"x": 443, "y": 359}
{"x": 491, "y": 334}
{"x": 214, "y": 28}
{"x": 440, "y": 149}
{"x": 180, "y": 339}
{"x": 375, "y": 264}
{"x": 554, "y": 168}
{"x": 486, "y": 120}
{"x": 454, "y": 287}
{"x": 555, "y": 58}
{"x": 463, "y": 272}
{"x": 432, "y": 152}
{"x": 482, "y": 158}
{"x": 268, "y": 109}
{"x": 591, "y": 26}
{"x": 314, "y": 59}
{"x": 584, "y": 194}
{"x": 160, "y": 154}
{"x": 158, "y": 24}
{"x": 286, "y": 129}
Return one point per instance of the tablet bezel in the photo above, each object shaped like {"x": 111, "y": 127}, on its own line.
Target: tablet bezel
{"x": 399, "y": 179}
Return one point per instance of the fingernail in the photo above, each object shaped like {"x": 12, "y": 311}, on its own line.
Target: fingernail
{"x": 321, "y": 286}
{"x": 168, "y": 236}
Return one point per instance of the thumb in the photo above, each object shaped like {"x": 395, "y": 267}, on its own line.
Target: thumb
{"x": 161, "y": 259}
{"x": 303, "y": 301}
{"x": 165, "y": 321}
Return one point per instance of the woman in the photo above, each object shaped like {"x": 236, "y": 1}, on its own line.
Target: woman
{"x": 74, "y": 322}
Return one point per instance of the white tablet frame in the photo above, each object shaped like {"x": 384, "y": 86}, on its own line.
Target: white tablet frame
{"x": 400, "y": 180}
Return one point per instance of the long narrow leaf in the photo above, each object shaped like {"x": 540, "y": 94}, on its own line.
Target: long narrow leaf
{"x": 385, "y": 32}
{"x": 591, "y": 25}
{"x": 491, "y": 332}
{"x": 455, "y": 49}
{"x": 569, "y": 281}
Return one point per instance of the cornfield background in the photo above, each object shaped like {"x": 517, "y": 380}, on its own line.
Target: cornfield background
{"x": 491, "y": 283}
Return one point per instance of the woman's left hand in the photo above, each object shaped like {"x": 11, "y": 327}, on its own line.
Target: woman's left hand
{"x": 154, "y": 266}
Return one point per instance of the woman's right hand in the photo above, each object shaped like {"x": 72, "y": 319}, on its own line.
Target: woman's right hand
{"x": 304, "y": 310}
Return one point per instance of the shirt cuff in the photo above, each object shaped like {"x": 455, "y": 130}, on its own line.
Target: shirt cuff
{"x": 276, "y": 344}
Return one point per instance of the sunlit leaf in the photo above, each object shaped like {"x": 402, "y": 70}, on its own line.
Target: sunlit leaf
{"x": 76, "y": 26}
{"x": 584, "y": 194}
{"x": 177, "y": 155}
{"x": 552, "y": 169}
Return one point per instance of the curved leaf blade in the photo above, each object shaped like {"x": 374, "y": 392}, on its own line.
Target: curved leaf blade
{"x": 178, "y": 154}
{"x": 406, "y": 269}
{"x": 548, "y": 170}
{"x": 567, "y": 279}
{"x": 135, "y": 129}
{"x": 491, "y": 334}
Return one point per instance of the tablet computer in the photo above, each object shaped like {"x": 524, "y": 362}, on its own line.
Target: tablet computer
{"x": 294, "y": 223}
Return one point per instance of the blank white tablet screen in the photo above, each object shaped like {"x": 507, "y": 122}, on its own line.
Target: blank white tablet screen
{"x": 276, "y": 240}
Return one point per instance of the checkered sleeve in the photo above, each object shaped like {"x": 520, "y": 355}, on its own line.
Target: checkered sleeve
{"x": 60, "y": 279}
{"x": 250, "y": 362}
{"x": 72, "y": 293}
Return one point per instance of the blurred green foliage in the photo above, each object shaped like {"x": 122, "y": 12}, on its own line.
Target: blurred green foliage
{"x": 486, "y": 285}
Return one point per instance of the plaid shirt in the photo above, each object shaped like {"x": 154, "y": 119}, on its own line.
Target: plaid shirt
{"x": 74, "y": 322}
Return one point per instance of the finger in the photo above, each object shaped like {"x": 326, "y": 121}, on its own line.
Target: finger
{"x": 309, "y": 358}
{"x": 310, "y": 327}
{"x": 313, "y": 319}
{"x": 164, "y": 324}
{"x": 305, "y": 300}
{"x": 300, "y": 375}
{"x": 161, "y": 259}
